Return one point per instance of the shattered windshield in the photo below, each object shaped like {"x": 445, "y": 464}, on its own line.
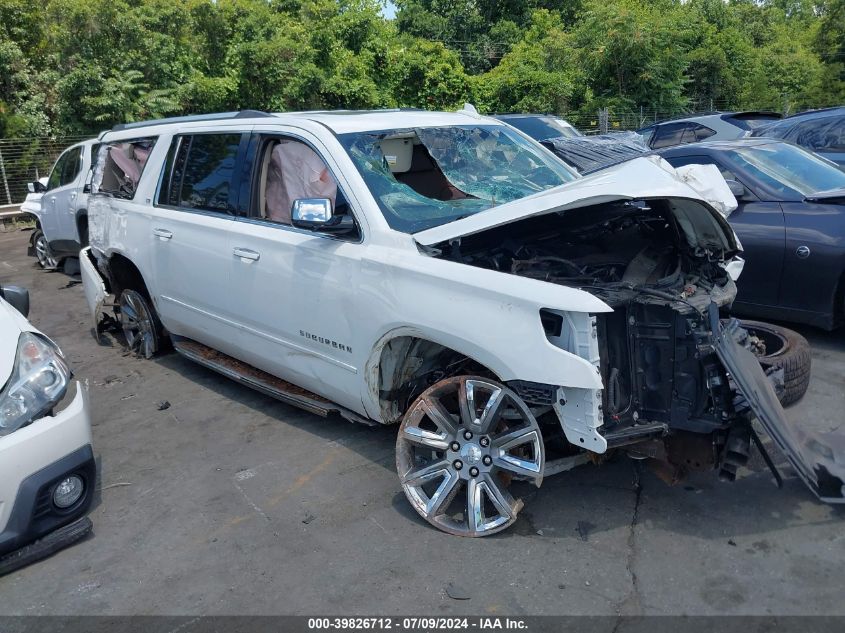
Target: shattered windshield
{"x": 425, "y": 177}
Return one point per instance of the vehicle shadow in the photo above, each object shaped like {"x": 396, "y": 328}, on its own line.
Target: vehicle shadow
{"x": 701, "y": 506}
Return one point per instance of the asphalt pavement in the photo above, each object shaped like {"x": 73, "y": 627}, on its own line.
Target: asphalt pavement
{"x": 229, "y": 502}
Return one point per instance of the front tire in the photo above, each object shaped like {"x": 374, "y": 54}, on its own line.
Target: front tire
{"x": 460, "y": 445}
{"x": 43, "y": 254}
{"x": 141, "y": 326}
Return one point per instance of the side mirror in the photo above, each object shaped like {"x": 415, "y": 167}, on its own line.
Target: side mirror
{"x": 315, "y": 214}
{"x": 36, "y": 187}
{"x": 17, "y": 297}
{"x": 737, "y": 189}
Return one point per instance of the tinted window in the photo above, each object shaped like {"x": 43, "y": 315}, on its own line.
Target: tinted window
{"x": 72, "y": 166}
{"x": 668, "y": 135}
{"x": 199, "y": 172}
{"x": 697, "y": 132}
{"x": 65, "y": 169}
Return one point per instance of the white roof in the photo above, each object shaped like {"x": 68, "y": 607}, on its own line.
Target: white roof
{"x": 338, "y": 121}
{"x": 343, "y": 121}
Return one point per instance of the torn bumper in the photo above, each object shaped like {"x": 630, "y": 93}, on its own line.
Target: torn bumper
{"x": 818, "y": 458}
{"x": 93, "y": 285}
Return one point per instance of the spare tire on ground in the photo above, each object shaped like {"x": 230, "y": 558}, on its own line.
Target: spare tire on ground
{"x": 778, "y": 347}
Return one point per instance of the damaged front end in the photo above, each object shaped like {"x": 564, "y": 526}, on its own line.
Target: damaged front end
{"x": 680, "y": 387}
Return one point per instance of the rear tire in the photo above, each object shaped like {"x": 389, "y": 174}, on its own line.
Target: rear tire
{"x": 784, "y": 349}
{"x": 140, "y": 324}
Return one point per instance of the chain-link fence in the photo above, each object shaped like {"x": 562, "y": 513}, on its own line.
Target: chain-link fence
{"x": 23, "y": 160}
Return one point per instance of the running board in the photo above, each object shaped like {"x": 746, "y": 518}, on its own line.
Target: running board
{"x": 262, "y": 381}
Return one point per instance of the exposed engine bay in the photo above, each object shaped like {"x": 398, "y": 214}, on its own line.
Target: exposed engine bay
{"x": 660, "y": 265}
{"x": 668, "y": 250}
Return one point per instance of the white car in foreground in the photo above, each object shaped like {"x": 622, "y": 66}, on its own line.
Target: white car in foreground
{"x": 47, "y": 471}
{"x": 444, "y": 272}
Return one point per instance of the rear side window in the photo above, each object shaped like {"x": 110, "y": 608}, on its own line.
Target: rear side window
{"x": 668, "y": 135}
{"x": 120, "y": 165}
{"x": 199, "y": 171}
{"x": 696, "y": 132}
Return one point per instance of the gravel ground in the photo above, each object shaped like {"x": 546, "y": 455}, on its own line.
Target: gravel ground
{"x": 229, "y": 502}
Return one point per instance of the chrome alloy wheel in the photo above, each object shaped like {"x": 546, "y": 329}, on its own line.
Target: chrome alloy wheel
{"x": 460, "y": 445}
{"x": 43, "y": 253}
{"x": 138, "y": 324}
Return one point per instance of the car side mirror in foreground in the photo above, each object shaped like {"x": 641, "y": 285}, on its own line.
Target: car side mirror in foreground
{"x": 315, "y": 214}
{"x": 737, "y": 189}
{"x": 17, "y": 297}
{"x": 35, "y": 187}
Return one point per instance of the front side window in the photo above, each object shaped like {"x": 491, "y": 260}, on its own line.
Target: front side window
{"x": 65, "y": 169}
{"x": 425, "y": 177}
{"x": 120, "y": 165}
{"x": 199, "y": 172}
{"x": 289, "y": 170}
{"x": 787, "y": 170}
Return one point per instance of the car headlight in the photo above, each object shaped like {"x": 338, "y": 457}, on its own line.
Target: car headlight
{"x": 38, "y": 382}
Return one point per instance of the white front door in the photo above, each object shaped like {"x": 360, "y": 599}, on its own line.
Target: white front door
{"x": 295, "y": 290}
{"x": 297, "y": 307}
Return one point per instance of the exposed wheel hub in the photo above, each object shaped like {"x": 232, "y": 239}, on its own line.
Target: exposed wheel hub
{"x": 459, "y": 447}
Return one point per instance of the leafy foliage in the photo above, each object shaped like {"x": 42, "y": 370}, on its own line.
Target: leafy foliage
{"x": 78, "y": 66}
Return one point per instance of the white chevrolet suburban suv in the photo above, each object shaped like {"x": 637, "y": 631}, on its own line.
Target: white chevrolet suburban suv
{"x": 444, "y": 272}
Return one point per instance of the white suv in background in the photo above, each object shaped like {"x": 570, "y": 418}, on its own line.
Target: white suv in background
{"x": 444, "y": 272}
{"x": 62, "y": 215}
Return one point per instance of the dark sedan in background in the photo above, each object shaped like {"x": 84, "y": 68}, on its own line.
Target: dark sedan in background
{"x": 791, "y": 222}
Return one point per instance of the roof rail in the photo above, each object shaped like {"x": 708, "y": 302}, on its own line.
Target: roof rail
{"x": 218, "y": 116}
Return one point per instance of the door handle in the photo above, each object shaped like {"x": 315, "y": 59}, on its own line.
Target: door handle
{"x": 803, "y": 252}
{"x": 245, "y": 253}
{"x": 162, "y": 234}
